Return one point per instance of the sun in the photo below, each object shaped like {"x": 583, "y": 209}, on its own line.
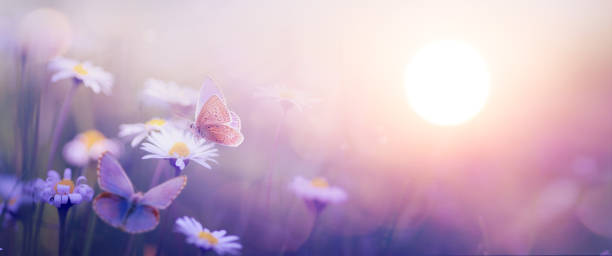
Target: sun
{"x": 447, "y": 82}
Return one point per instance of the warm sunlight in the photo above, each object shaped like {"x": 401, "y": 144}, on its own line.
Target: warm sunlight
{"x": 447, "y": 82}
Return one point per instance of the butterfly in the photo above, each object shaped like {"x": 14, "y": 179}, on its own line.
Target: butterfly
{"x": 121, "y": 207}
{"x": 213, "y": 120}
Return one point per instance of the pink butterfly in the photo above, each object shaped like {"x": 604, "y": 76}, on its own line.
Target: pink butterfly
{"x": 122, "y": 208}
{"x": 213, "y": 120}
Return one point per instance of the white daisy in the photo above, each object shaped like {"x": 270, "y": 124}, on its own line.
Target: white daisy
{"x": 140, "y": 131}
{"x": 317, "y": 193}
{"x": 180, "y": 147}
{"x": 58, "y": 192}
{"x": 205, "y": 239}
{"x": 287, "y": 97}
{"x": 88, "y": 146}
{"x": 169, "y": 93}
{"x": 91, "y": 76}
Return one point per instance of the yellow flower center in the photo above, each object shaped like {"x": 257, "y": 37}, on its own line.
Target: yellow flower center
{"x": 208, "y": 237}
{"x": 319, "y": 182}
{"x": 79, "y": 69}
{"x": 287, "y": 95}
{"x": 91, "y": 137}
{"x": 156, "y": 122}
{"x": 179, "y": 149}
{"x": 65, "y": 182}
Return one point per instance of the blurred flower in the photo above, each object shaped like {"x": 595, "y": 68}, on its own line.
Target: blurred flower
{"x": 205, "y": 239}
{"x": 140, "y": 131}
{"x": 87, "y": 146}
{"x": 7, "y": 185}
{"x": 317, "y": 193}
{"x": 286, "y": 97}
{"x": 44, "y": 34}
{"x": 556, "y": 198}
{"x": 34, "y": 188}
{"x": 179, "y": 147}
{"x": 158, "y": 91}
{"x": 13, "y": 195}
{"x": 91, "y": 76}
{"x": 64, "y": 192}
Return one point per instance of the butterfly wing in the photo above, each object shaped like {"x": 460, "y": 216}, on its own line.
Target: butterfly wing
{"x": 162, "y": 195}
{"x": 110, "y": 208}
{"x": 142, "y": 219}
{"x": 214, "y": 111}
{"x": 207, "y": 90}
{"x": 112, "y": 178}
{"x": 223, "y": 134}
{"x": 235, "y": 122}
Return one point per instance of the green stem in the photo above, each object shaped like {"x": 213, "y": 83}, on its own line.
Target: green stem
{"x": 62, "y": 212}
{"x": 157, "y": 173}
{"x": 59, "y": 125}
{"x": 311, "y": 237}
{"x": 128, "y": 248}
{"x": 24, "y": 238}
{"x": 90, "y": 231}
{"x": 18, "y": 125}
{"x": 270, "y": 173}
{"x": 177, "y": 171}
{"x": 39, "y": 218}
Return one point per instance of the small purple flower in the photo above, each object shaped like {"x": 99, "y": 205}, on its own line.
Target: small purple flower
{"x": 317, "y": 193}
{"x": 58, "y": 192}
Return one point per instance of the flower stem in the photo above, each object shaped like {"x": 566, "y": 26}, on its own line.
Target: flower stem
{"x": 62, "y": 213}
{"x": 158, "y": 170}
{"x": 90, "y": 231}
{"x": 19, "y": 137}
{"x": 128, "y": 247}
{"x": 59, "y": 125}
{"x": 39, "y": 218}
{"x": 311, "y": 236}
{"x": 270, "y": 173}
{"x": 177, "y": 171}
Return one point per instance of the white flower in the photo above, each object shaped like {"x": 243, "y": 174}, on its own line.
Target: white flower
{"x": 140, "y": 131}
{"x": 34, "y": 188}
{"x": 180, "y": 147}
{"x": 88, "y": 146}
{"x": 205, "y": 239}
{"x": 169, "y": 93}
{"x": 7, "y": 185}
{"x": 93, "y": 77}
{"x": 317, "y": 192}
{"x": 13, "y": 194}
{"x": 287, "y": 97}
{"x": 58, "y": 192}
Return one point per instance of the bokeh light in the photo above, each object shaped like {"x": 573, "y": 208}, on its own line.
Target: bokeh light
{"x": 447, "y": 82}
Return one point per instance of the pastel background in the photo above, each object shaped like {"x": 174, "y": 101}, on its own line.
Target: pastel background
{"x": 531, "y": 173}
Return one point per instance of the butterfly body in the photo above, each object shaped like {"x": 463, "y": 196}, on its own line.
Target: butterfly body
{"x": 213, "y": 119}
{"x": 132, "y": 205}
{"x": 121, "y": 207}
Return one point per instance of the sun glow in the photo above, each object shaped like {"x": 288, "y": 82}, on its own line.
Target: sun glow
{"x": 447, "y": 83}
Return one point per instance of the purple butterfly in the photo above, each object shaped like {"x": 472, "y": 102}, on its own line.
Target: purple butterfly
{"x": 125, "y": 209}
